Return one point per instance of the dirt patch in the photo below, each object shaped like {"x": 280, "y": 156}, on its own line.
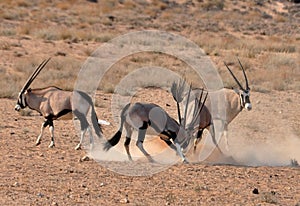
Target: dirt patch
{"x": 39, "y": 175}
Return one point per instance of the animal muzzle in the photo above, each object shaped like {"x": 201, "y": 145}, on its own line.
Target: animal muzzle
{"x": 248, "y": 106}
{"x": 17, "y": 107}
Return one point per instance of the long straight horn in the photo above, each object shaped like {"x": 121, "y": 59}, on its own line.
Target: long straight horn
{"x": 203, "y": 102}
{"x": 199, "y": 105}
{"x": 186, "y": 107}
{"x": 34, "y": 74}
{"x": 177, "y": 93}
{"x": 237, "y": 81}
{"x": 201, "y": 108}
{"x": 246, "y": 79}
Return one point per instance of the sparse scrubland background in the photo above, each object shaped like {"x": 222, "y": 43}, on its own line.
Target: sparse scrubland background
{"x": 264, "y": 34}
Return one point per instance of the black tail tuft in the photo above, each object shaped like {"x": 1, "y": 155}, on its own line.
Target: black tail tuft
{"x": 113, "y": 141}
{"x": 116, "y": 138}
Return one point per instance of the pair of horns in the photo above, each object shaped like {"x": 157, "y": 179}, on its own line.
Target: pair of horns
{"x": 177, "y": 91}
{"x": 237, "y": 81}
{"x": 34, "y": 74}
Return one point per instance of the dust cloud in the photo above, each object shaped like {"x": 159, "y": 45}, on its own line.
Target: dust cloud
{"x": 116, "y": 158}
{"x": 261, "y": 145}
{"x": 274, "y": 151}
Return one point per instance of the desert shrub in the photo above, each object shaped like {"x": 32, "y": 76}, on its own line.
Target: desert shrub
{"x": 4, "y": 45}
{"x": 213, "y": 5}
{"x": 269, "y": 198}
{"x": 9, "y": 86}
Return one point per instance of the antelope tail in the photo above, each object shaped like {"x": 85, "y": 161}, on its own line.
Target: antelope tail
{"x": 116, "y": 138}
{"x": 94, "y": 117}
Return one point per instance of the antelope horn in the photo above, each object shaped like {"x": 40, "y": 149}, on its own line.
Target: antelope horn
{"x": 34, "y": 74}
{"x": 177, "y": 91}
{"x": 203, "y": 102}
{"x": 197, "y": 103}
{"x": 186, "y": 107}
{"x": 246, "y": 79}
{"x": 198, "y": 107}
{"x": 234, "y": 77}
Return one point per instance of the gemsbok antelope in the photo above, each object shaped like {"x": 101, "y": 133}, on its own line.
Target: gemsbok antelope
{"x": 236, "y": 101}
{"x": 140, "y": 116}
{"x": 53, "y": 104}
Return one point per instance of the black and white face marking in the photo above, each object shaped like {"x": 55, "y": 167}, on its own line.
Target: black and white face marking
{"x": 21, "y": 104}
{"x": 245, "y": 100}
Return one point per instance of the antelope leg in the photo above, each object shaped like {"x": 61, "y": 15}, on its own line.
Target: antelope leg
{"x": 82, "y": 133}
{"x": 83, "y": 126}
{"x": 128, "y": 130}
{"x": 91, "y": 137}
{"x": 198, "y": 138}
{"x": 38, "y": 140}
{"x": 139, "y": 143}
{"x": 126, "y": 145}
{"x": 51, "y": 129}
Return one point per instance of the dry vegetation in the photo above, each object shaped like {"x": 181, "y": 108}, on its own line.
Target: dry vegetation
{"x": 264, "y": 34}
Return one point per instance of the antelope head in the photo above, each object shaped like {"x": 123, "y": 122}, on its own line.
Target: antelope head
{"x": 243, "y": 92}
{"x": 21, "y": 103}
{"x": 186, "y": 130}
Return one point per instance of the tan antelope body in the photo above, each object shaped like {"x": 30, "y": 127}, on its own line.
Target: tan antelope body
{"x": 235, "y": 101}
{"x": 140, "y": 116}
{"x": 53, "y": 103}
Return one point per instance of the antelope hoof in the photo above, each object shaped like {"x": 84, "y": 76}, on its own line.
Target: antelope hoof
{"x": 37, "y": 143}
{"x": 78, "y": 147}
{"x": 51, "y": 145}
{"x": 185, "y": 161}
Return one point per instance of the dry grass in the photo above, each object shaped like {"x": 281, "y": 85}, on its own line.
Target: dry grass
{"x": 251, "y": 48}
{"x": 134, "y": 63}
{"x": 280, "y": 72}
{"x": 4, "y": 45}
{"x": 57, "y": 72}
{"x": 213, "y": 4}
{"x": 9, "y": 90}
{"x": 270, "y": 60}
{"x": 269, "y": 198}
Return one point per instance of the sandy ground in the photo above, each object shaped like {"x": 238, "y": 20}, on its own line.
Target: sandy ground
{"x": 256, "y": 170}
{"x": 37, "y": 175}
